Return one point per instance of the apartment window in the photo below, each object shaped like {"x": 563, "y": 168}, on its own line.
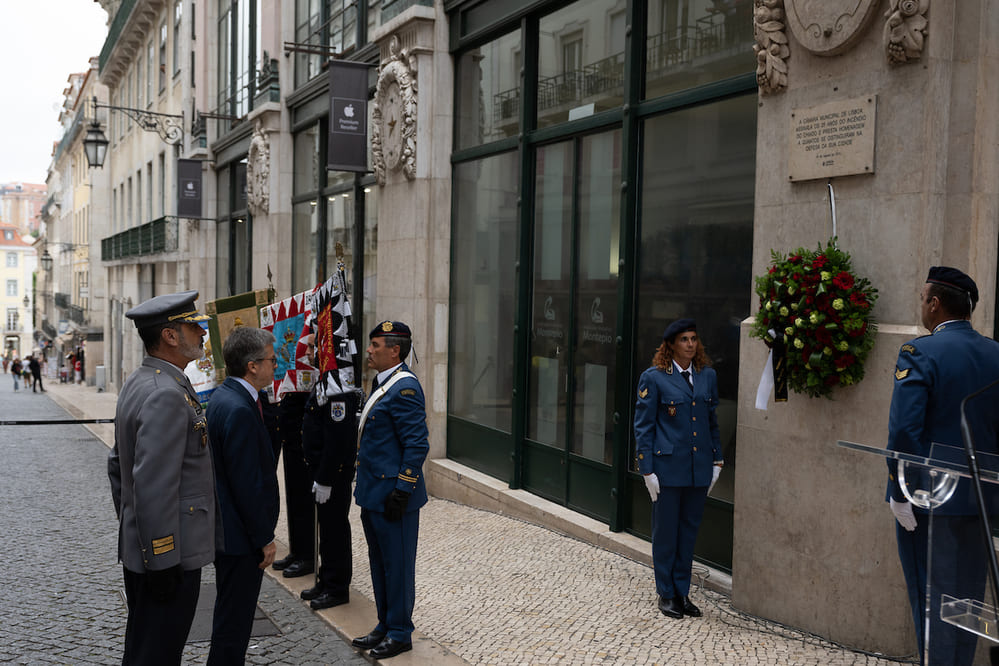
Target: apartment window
{"x": 178, "y": 13}
{"x": 162, "y": 184}
{"x": 323, "y": 23}
{"x": 11, "y": 256}
{"x": 138, "y": 197}
{"x": 239, "y": 56}
{"x": 11, "y": 319}
{"x": 150, "y": 76}
{"x": 12, "y": 287}
{"x": 149, "y": 189}
{"x": 128, "y": 209}
{"x": 163, "y": 55}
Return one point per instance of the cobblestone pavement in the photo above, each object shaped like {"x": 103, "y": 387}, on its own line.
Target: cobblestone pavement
{"x": 60, "y": 601}
{"x": 492, "y": 589}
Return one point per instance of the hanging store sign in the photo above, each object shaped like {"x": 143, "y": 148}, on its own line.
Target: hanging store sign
{"x": 348, "y": 133}
{"x": 189, "y": 188}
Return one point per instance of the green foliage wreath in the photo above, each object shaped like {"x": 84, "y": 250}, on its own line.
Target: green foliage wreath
{"x": 823, "y": 311}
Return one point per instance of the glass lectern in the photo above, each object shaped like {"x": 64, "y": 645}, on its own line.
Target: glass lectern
{"x": 953, "y": 535}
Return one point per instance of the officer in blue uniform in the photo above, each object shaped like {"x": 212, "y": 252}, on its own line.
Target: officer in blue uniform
{"x": 933, "y": 374}
{"x": 392, "y": 445}
{"x": 678, "y": 451}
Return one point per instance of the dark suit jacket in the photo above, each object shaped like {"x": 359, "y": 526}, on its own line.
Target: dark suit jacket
{"x": 245, "y": 471}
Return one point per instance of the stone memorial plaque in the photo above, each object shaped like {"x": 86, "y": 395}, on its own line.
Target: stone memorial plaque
{"x": 833, "y": 139}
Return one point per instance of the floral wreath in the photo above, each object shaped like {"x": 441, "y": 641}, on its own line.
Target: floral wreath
{"x": 814, "y": 307}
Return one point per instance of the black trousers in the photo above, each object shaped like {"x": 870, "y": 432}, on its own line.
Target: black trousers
{"x": 237, "y": 581}
{"x": 156, "y": 631}
{"x": 336, "y": 559}
{"x": 297, "y": 480}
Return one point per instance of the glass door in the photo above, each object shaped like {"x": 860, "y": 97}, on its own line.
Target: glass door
{"x": 568, "y": 451}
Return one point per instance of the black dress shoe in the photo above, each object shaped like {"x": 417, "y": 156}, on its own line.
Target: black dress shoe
{"x": 329, "y": 600}
{"x": 690, "y": 609}
{"x": 297, "y": 568}
{"x": 369, "y": 641}
{"x": 312, "y": 592}
{"x": 671, "y": 607}
{"x": 284, "y": 563}
{"x": 389, "y": 647}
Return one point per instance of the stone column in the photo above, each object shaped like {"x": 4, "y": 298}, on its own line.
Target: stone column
{"x": 814, "y": 539}
{"x": 412, "y": 125}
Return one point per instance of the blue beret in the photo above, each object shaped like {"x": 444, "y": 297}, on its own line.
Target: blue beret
{"x": 390, "y": 328}
{"x": 166, "y": 309}
{"x": 951, "y": 277}
{"x": 677, "y": 327}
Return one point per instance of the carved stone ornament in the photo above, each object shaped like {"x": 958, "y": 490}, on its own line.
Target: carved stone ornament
{"x": 905, "y": 30}
{"x": 258, "y": 172}
{"x": 771, "y": 46}
{"x": 393, "y": 118}
{"x": 828, "y": 27}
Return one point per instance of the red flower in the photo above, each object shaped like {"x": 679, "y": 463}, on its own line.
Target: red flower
{"x": 845, "y": 361}
{"x": 858, "y": 299}
{"x": 795, "y": 258}
{"x": 844, "y": 280}
{"x": 819, "y": 261}
{"x": 773, "y": 269}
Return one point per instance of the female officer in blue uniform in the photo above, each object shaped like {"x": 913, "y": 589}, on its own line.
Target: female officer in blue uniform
{"x": 678, "y": 451}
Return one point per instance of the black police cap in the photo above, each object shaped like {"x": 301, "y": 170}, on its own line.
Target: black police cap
{"x": 166, "y": 309}
{"x": 390, "y": 328}
{"x": 951, "y": 277}
{"x": 677, "y": 327}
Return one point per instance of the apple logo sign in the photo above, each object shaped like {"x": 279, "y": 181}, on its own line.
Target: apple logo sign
{"x": 348, "y": 111}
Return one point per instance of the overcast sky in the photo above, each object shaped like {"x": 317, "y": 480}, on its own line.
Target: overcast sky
{"x": 42, "y": 42}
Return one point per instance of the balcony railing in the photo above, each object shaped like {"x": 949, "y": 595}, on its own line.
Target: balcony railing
{"x": 160, "y": 235}
{"x": 114, "y": 32}
{"x": 48, "y": 328}
{"x": 62, "y": 300}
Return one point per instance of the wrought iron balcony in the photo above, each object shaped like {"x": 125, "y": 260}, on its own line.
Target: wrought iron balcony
{"x": 160, "y": 235}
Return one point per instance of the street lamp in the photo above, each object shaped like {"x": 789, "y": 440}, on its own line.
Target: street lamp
{"x": 169, "y": 126}
{"x": 95, "y": 145}
{"x": 46, "y": 260}
{"x": 27, "y": 300}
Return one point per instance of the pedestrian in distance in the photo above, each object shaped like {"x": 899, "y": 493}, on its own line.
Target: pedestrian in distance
{"x": 246, "y": 486}
{"x": 162, "y": 482}
{"x": 390, "y": 489}
{"x": 933, "y": 375}
{"x": 678, "y": 452}
{"x": 329, "y": 438}
{"x": 36, "y": 374}
{"x": 15, "y": 371}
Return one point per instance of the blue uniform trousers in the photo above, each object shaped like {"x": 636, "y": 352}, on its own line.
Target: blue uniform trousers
{"x": 958, "y": 568}
{"x": 237, "y": 582}
{"x": 156, "y": 631}
{"x": 676, "y": 517}
{"x": 392, "y": 557}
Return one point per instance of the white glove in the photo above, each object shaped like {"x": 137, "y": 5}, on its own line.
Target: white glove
{"x": 322, "y": 493}
{"x": 903, "y": 514}
{"x": 652, "y": 485}
{"x": 714, "y": 477}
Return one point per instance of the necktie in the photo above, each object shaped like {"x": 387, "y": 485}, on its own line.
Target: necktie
{"x": 686, "y": 375}
{"x": 374, "y": 383}
{"x": 260, "y": 408}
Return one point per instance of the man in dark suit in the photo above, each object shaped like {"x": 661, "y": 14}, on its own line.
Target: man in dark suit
{"x": 162, "y": 482}
{"x": 390, "y": 488}
{"x": 247, "y": 487}
{"x": 678, "y": 451}
{"x": 933, "y": 374}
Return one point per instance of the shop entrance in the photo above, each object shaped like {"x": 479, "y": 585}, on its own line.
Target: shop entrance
{"x": 568, "y": 450}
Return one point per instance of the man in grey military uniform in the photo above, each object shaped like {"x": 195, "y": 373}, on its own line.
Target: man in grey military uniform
{"x": 163, "y": 483}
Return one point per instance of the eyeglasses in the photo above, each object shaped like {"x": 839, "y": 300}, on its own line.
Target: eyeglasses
{"x": 272, "y": 359}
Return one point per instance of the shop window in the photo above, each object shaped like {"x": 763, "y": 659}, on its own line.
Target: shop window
{"x": 694, "y": 42}
{"x": 581, "y": 63}
{"x": 483, "y": 291}
{"x": 489, "y": 90}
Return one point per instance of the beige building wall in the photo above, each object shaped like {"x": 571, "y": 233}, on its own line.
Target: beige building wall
{"x": 814, "y": 539}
